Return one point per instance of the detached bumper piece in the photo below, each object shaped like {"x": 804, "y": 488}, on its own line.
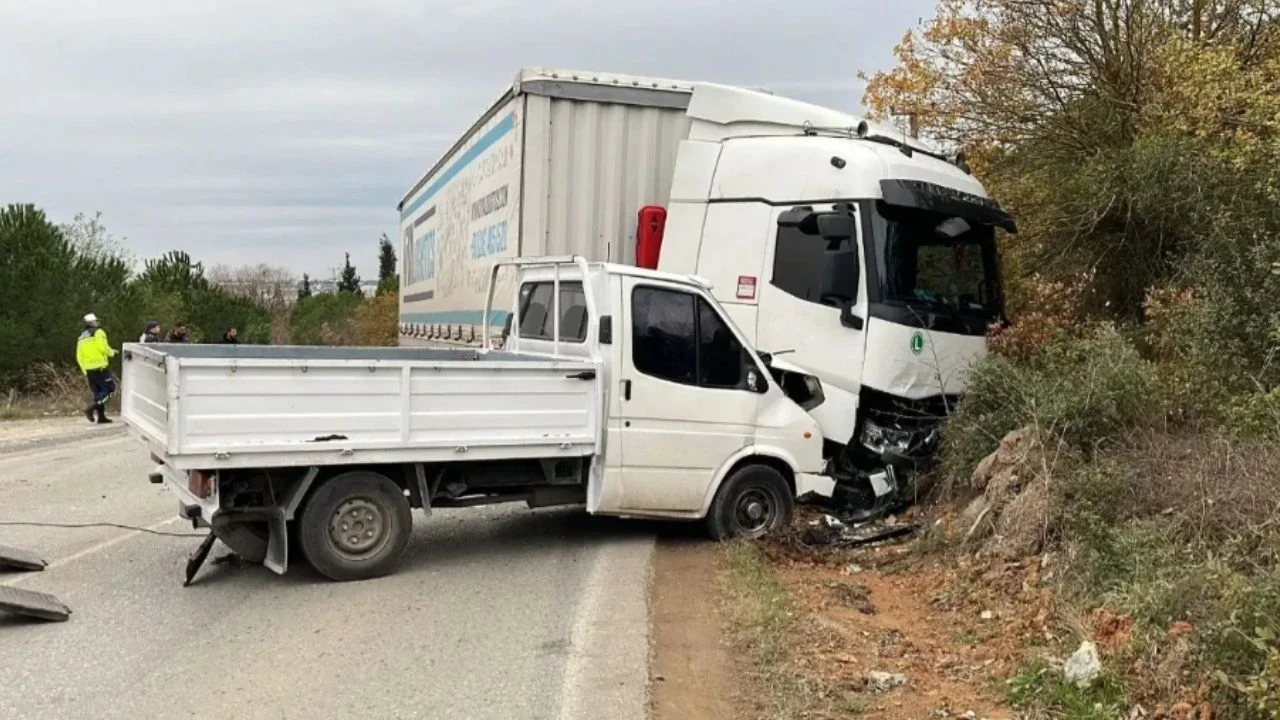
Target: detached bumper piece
{"x": 12, "y": 558}
{"x": 41, "y": 606}
{"x": 30, "y": 603}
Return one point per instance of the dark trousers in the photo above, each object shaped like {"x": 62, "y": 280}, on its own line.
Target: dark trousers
{"x": 102, "y": 385}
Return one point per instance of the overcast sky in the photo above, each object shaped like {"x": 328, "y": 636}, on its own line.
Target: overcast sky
{"x": 286, "y": 132}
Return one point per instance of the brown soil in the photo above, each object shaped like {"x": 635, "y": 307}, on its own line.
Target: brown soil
{"x": 691, "y": 669}
{"x": 956, "y": 627}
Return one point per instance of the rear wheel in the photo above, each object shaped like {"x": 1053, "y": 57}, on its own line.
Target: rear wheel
{"x": 753, "y": 501}
{"x": 355, "y": 526}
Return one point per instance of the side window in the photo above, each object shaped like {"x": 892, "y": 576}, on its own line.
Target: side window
{"x": 662, "y": 333}
{"x": 536, "y": 308}
{"x": 679, "y": 337}
{"x": 800, "y": 261}
{"x": 797, "y": 263}
{"x": 719, "y": 352}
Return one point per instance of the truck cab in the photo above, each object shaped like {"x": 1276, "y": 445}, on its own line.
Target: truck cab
{"x": 861, "y": 264}
{"x": 687, "y": 398}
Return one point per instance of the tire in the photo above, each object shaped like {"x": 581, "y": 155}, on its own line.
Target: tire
{"x": 753, "y": 501}
{"x": 248, "y": 540}
{"x": 355, "y": 526}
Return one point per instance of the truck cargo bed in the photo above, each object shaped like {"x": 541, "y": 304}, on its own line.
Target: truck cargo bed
{"x": 229, "y": 406}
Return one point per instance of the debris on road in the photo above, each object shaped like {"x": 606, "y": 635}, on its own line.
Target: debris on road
{"x": 830, "y": 531}
{"x": 41, "y": 606}
{"x": 18, "y": 559}
{"x": 197, "y": 558}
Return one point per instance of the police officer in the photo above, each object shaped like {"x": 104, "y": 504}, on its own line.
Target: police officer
{"x": 93, "y": 353}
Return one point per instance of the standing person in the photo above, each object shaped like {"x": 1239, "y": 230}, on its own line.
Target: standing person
{"x": 231, "y": 337}
{"x": 150, "y": 333}
{"x": 93, "y": 354}
{"x": 179, "y": 333}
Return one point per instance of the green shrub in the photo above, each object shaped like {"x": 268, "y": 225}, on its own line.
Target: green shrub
{"x": 1086, "y": 390}
{"x": 324, "y": 319}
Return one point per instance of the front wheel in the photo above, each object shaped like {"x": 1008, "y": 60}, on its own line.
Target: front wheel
{"x": 355, "y": 526}
{"x": 751, "y": 502}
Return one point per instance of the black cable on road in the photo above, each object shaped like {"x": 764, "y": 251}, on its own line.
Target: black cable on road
{"x": 103, "y": 524}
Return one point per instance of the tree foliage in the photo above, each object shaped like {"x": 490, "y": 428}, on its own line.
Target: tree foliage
{"x": 348, "y": 281}
{"x": 1136, "y": 141}
{"x": 388, "y": 280}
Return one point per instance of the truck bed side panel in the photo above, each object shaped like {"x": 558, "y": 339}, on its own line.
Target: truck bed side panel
{"x": 272, "y": 406}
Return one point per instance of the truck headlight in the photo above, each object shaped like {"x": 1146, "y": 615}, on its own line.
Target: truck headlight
{"x": 878, "y": 438}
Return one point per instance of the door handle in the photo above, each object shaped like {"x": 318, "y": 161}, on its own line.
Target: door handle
{"x": 626, "y": 389}
{"x": 584, "y": 375}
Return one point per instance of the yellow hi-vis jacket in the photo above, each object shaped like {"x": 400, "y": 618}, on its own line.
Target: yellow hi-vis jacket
{"x": 92, "y": 350}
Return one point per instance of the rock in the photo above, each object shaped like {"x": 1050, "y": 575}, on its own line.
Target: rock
{"x": 1084, "y": 665}
{"x": 987, "y": 615}
{"x": 853, "y": 569}
{"x": 884, "y": 681}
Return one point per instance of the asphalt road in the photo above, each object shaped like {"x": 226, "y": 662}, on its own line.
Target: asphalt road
{"x": 495, "y": 612}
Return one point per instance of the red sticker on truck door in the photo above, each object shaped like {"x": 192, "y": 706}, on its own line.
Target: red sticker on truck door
{"x": 746, "y": 287}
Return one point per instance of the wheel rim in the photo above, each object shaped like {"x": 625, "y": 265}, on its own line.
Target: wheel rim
{"x": 755, "y": 512}
{"x": 359, "y": 527}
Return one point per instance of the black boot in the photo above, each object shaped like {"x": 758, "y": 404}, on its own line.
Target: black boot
{"x": 102, "y": 416}
{"x": 91, "y": 413}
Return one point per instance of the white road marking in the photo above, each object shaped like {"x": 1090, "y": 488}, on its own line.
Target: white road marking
{"x": 95, "y": 548}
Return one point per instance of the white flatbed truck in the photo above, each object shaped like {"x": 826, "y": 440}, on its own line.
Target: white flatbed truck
{"x": 625, "y": 390}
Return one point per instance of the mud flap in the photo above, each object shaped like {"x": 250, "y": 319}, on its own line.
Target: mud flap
{"x": 13, "y": 558}
{"x": 41, "y": 606}
{"x": 277, "y": 560}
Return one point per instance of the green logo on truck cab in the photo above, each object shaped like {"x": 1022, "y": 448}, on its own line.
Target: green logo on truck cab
{"x": 917, "y": 343}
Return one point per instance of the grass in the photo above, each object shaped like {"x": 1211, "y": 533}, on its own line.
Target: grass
{"x": 763, "y": 620}
{"x": 46, "y": 390}
{"x": 1041, "y": 692}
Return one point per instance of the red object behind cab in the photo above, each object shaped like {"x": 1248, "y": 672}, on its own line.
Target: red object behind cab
{"x": 649, "y": 226}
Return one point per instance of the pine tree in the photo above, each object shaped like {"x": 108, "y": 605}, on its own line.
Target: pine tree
{"x": 388, "y": 280}
{"x": 305, "y": 290}
{"x": 349, "y": 280}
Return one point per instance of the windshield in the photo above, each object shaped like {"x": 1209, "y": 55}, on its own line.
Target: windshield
{"x": 935, "y": 262}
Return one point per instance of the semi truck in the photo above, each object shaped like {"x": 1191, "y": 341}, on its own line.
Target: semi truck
{"x": 632, "y": 393}
{"x": 862, "y": 263}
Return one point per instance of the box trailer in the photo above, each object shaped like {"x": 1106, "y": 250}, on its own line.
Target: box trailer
{"x": 557, "y": 166}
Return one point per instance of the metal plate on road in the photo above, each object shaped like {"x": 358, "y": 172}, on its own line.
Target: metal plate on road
{"x": 35, "y": 604}
{"x": 15, "y": 558}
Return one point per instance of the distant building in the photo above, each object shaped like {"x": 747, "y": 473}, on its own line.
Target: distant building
{"x": 368, "y": 288}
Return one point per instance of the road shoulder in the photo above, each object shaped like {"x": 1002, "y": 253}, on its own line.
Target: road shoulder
{"x": 691, "y": 666}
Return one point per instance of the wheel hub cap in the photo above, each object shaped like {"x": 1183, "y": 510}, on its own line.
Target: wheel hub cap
{"x": 357, "y": 526}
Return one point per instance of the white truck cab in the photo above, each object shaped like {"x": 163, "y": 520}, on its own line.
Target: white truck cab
{"x": 628, "y": 391}
{"x": 869, "y": 260}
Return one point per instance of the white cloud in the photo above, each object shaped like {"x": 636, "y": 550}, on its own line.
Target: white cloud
{"x": 286, "y": 132}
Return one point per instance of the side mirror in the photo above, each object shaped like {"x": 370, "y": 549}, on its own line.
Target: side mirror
{"x": 754, "y": 383}
{"x": 796, "y": 217}
{"x": 836, "y": 226}
{"x": 840, "y": 277}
